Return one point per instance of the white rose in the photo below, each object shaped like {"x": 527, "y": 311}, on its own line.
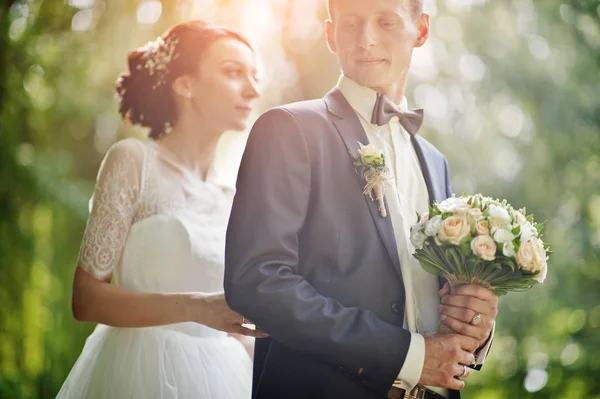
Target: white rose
{"x": 433, "y": 226}
{"x": 503, "y": 236}
{"x": 417, "y": 237}
{"x": 532, "y": 255}
{"x": 369, "y": 151}
{"x": 452, "y": 204}
{"x": 482, "y": 227}
{"x": 498, "y": 224}
{"x": 520, "y": 218}
{"x": 528, "y": 232}
{"x": 509, "y": 249}
{"x": 484, "y": 247}
{"x": 497, "y": 212}
{"x": 454, "y": 229}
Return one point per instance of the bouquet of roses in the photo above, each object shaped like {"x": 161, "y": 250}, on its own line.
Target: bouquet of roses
{"x": 474, "y": 239}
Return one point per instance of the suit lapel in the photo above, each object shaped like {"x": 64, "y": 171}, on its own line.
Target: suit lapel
{"x": 426, "y": 168}
{"x": 351, "y": 131}
{"x": 433, "y": 189}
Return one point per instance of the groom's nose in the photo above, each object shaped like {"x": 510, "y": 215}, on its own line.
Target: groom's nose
{"x": 367, "y": 35}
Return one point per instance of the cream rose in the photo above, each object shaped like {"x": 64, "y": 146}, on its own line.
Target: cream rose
{"x": 532, "y": 255}
{"x": 541, "y": 276}
{"x": 482, "y": 227}
{"x": 484, "y": 247}
{"x": 454, "y": 229}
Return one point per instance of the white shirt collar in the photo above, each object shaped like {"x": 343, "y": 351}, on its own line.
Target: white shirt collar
{"x": 361, "y": 98}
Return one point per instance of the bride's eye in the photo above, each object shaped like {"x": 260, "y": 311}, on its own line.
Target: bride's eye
{"x": 233, "y": 72}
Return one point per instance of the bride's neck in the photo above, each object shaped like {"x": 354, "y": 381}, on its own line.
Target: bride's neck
{"x": 195, "y": 144}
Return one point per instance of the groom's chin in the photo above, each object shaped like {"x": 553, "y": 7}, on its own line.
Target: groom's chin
{"x": 370, "y": 79}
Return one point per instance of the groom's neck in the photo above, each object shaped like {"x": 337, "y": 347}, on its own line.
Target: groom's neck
{"x": 394, "y": 92}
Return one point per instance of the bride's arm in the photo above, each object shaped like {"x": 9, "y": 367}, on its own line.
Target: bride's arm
{"x": 113, "y": 207}
{"x": 99, "y": 301}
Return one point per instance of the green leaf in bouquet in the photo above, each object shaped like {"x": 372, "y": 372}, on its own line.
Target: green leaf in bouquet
{"x": 516, "y": 231}
{"x": 446, "y": 215}
{"x": 540, "y": 227}
{"x": 434, "y": 211}
{"x": 517, "y": 244}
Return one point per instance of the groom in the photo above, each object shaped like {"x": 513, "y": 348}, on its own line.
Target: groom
{"x": 313, "y": 261}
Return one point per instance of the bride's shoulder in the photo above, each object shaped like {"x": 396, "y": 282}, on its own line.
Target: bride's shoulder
{"x": 127, "y": 147}
{"x": 124, "y": 155}
{"x": 130, "y": 149}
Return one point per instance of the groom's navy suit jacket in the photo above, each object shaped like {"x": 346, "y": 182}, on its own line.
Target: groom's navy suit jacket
{"x": 310, "y": 260}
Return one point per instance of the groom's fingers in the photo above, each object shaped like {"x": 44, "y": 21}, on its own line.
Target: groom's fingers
{"x": 477, "y": 291}
{"x": 471, "y": 303}
{"x": 463, "y": 314}
{"x": 445, "y": 290}
{"x": 476, "y": 332}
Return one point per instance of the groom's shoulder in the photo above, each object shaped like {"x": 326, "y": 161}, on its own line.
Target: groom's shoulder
{"x": 301, "y": 110}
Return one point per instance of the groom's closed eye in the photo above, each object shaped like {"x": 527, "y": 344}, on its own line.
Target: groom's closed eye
{"x": 388, "y": 23}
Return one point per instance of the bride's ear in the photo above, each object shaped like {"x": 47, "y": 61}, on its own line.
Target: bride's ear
{"x": 182, "y": 86}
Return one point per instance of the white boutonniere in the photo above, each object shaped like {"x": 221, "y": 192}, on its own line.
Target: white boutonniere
{"x": 375, "y": 171}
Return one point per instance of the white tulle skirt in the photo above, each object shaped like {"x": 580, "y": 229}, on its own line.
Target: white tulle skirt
{"x": 159, "y": 362}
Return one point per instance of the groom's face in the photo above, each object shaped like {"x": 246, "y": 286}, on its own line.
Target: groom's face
{"x": 374, "y": 39}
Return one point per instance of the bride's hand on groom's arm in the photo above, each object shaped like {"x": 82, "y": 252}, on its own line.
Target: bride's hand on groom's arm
{"x": 212, "y": 311}
{"x": 445, "y": 358}
{"x": 459, "y": 306}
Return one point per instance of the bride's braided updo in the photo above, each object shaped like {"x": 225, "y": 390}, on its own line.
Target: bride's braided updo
{"x": 145, "y": 94}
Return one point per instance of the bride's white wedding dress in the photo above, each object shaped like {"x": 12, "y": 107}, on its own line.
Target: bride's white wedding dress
{"x": 158, "y": 228}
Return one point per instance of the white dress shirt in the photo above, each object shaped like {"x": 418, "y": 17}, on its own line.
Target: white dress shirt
{"x": 406, "y": 195}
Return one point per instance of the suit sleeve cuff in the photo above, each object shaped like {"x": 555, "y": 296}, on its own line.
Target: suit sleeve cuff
{"x": 482, "y": 353}
{"x": 411, "y": 370}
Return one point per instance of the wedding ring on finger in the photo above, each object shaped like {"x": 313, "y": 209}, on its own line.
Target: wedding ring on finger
{"x": 464, "y": 373}
{"x": 243, "y": 320}
{"x": 476, "y": 319}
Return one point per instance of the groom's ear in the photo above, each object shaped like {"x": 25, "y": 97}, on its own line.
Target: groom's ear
{"x": 422, "y": 23}
{"x": 329, "y": 36}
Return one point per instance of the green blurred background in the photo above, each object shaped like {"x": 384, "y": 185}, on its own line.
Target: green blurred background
{"x": 511, "y": 90}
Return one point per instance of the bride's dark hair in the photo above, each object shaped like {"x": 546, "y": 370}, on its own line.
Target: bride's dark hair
{"x": 145, "y": 95}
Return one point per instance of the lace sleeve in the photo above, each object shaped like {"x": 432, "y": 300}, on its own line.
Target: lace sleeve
{"x": 112, "y": 208}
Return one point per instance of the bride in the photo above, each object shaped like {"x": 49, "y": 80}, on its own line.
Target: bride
{"x": 157, "y": 226}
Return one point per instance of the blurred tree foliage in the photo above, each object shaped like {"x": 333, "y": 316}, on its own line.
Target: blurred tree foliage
{"x": 520, "y": 82}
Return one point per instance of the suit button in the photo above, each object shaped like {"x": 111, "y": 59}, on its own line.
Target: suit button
{"x": 397, "y": 307}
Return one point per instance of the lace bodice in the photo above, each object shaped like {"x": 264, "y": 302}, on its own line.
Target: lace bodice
{"x": 146, "y": 201}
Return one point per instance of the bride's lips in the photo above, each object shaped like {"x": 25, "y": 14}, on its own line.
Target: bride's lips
{"x": 244, "y": 109}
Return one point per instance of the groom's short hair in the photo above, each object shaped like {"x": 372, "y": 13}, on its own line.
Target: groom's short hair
{"x": 416, "y": 6}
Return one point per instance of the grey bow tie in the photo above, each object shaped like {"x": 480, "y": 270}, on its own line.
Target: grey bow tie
{"x": 385, "y": 109}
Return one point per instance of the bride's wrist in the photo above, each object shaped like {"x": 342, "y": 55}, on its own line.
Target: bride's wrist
{"x": 195, "y": 307}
